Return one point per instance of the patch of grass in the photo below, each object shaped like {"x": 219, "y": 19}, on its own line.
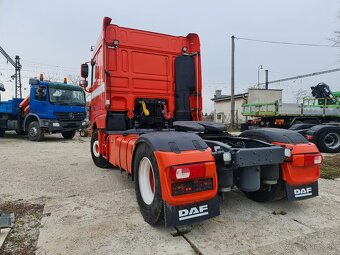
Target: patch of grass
{"x": 330, "y": 168}
{"x": 23, "y": 237}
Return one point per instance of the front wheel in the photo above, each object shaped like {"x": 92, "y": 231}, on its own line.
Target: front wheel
{"x": 83, "y": 132}
{"x": 68, "y": 134}
{"x": 35, "y": 133}
{"x": 147, "y": 185}
{"x": 96, "y": 157}
{"x": 2, "y": 132}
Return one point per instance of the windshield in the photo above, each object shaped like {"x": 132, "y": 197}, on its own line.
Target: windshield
{"x": 66, "y": 97}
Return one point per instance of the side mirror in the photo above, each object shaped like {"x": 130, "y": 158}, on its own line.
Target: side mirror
{"x": 84, "y": 70}
{"x": 2, "y": 87}
{"x": 83, "y": 83}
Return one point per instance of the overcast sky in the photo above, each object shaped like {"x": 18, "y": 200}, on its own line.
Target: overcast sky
{"x": 54, "y": 37}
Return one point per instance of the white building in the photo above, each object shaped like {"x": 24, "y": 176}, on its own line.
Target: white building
{"x": 222, "y": 103}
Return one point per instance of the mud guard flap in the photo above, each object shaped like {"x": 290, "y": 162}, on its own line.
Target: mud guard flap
{"x": 301, "y": 192}
{"x": 187, "y": 214}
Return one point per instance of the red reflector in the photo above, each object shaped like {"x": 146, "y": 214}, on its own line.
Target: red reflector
{"x": 309, "y": 137}
{"x": 184, "y": 172}
{"x": 314, "y": 159}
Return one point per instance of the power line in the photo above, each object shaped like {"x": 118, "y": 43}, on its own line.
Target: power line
{"x": 303, "y": 76}
{"x": 288, "y": 43}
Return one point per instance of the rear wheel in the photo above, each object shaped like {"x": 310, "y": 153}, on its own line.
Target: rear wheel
{"x": 96, "y": 157}
{"x": 2, "y": 132}
{"x": 329, "y": 141}
{"x": 147, "y": 185}
{"x": 35, "y": 133}
{"x": 68, "y": 134}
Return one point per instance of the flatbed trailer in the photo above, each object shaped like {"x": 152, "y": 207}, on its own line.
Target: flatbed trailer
{"x": 284, "y": 115}
{"x": 146, "y": 117}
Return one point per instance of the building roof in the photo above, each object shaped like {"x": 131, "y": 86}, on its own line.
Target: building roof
{"x": 228, "y": 97}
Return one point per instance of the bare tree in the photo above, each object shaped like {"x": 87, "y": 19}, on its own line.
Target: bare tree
{"x": 73, "y": 79}
{"x": 336, "y": 37}
{"x": 300, "y": 94}
{"x": 52, "y": 76}
{"x": 208, "y": 117}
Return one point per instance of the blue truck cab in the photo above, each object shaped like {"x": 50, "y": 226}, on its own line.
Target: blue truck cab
{"x": 51, "y": 107}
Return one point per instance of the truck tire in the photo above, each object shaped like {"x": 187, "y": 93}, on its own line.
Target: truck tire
{"x": 98, "y": 160}
{"x": 35, "y": 133}
{"x": 329, "y": 141}
{"x": 68, "y": 134}
{"x": 84, "y": 132}
{"x": 147, "y": 185}
{"x": 2, "y": 132}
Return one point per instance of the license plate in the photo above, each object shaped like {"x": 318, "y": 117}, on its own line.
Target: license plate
{"x": 187, "y": 214}
{"x": 302, "y": 191}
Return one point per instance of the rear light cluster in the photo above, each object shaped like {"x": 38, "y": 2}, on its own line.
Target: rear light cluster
{"x": 184, "y": 172}
{"x": 188, "y": 179}
{"x": 313, "y": 159}
{"x": 279, "y": 122}
{"x": 307, "y": 159}
{"x": 309, "y": 137}
{"x": 188, "y": 187}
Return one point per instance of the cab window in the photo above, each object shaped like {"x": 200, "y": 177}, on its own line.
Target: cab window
{"x": 40, "y": 93}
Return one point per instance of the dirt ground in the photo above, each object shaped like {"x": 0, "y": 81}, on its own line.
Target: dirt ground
{"x": 88, "y": 210}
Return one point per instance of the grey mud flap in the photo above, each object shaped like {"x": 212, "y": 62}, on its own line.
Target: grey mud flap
{"x": 187, "y": 214}
{"x": 302, "y": 191}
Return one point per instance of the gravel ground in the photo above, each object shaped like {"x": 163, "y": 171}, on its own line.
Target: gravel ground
{"x": 88, "y": 210}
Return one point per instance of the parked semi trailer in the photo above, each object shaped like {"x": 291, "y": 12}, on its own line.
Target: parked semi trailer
{"x": 325, "y": 136}
{"x": 317, "y": 118}
{"x": 146, "y": 117}
{"x": 323, "y": 107}
{"x": 50, "y": 107}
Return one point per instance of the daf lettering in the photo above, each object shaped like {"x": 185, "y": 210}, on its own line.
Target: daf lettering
{"x": 303, "y": 192}
{"x": 193, "y": 212}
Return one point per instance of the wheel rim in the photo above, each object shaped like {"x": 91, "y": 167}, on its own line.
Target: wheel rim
{"x": 95, "y": 149}
{"x": 146, "y": 180}
{"x": 33, "y": 131}
{"x": 332, "y": 140}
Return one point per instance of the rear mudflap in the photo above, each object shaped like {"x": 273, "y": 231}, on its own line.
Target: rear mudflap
{"x": 301, "y": 192}
{"x": 187, "y": 214}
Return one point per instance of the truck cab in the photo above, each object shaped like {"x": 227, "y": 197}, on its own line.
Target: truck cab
{"x": 51, "y": 107}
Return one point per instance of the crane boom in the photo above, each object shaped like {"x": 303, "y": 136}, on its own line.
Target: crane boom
{"x": 16, "y": 64}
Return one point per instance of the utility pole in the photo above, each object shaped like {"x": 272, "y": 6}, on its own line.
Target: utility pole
{"x": 232, "y": 90}
{"x": 17, "y": 76}
{"x": 18, "y": 90}
{"x": 258, "y": 75}
{"x": 266, "y": 78}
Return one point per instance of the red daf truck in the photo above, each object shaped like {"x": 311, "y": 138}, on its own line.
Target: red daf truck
{"x": 146, "y": 117}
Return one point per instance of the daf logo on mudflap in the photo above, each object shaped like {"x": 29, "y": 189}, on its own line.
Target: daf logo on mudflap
{"x": 71, "y": 115}
{"x": 193, "y": 212}
{"x": 304, "y": 192}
